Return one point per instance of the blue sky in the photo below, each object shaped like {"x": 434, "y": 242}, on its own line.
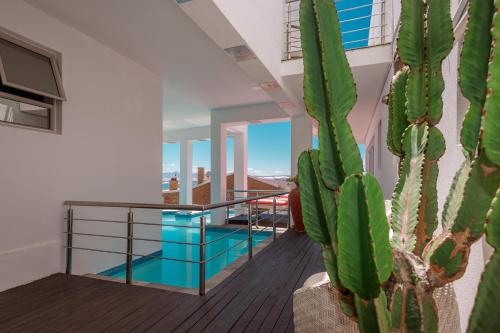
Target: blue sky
{"x": 269, "y": 149}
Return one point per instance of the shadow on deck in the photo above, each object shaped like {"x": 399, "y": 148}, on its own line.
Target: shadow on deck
{"x": 255, "y": 298}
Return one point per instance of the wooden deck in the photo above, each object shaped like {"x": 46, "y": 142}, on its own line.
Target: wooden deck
{"x": 255, "y": 298}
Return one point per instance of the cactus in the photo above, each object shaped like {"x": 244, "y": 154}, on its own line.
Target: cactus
{"x": 386, "y": 283}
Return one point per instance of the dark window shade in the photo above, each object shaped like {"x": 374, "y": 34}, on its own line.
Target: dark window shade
{"x": 27, "y": 70}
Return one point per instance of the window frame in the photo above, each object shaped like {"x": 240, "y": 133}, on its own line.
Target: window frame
{"x": 54, "y": 108}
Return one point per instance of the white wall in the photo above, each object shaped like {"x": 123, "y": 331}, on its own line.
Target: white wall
{"x": 110, "y": 147}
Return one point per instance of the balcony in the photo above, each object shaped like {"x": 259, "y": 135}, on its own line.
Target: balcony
{"x": 363, "y": 24}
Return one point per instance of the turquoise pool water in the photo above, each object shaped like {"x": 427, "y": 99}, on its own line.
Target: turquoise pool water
{"x": 182, "y": 274}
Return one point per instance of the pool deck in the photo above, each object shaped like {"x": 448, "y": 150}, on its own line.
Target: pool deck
{"x": 257, "y": 297}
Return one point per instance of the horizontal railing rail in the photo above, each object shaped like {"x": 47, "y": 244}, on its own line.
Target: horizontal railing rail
{"x": 362, "y": 25}
{"x": 130, "y": 222}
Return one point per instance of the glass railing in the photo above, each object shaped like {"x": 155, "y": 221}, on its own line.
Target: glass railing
{"x": 362, "y": 23}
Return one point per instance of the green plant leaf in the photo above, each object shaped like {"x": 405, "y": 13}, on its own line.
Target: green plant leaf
{"x": 340, "y": 83}
{"x": 456, "y": 195}
{"x": 406, "y": 197}
{"x": 484, "y": 316}
{"x": 439, "y": 32}
{"x": 476, "y": 49}
{"x": 487, "y": 303}
{"x": 317, "y": 202}
{"x": 373, "y": 315}
{"x": 491, "y": 118}
{"x": 471, "y": 127}
{"x": 316, "y": 99}
{"x": 411, "y": 33}
{"x": 397, "y": 112}
{"x": 493, "y": 222}
{"x": 473, "y": 70}
{"x": 364, "y": 253}
{"x": 479, "y": 192}
{"x": 329, "y": 91}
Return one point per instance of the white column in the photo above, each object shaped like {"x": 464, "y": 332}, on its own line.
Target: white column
{"x": 218, "y": 172}
{"x": 302, "y": 132}
{"x": 241, "y": 160}
{"x": 186, "y": 189}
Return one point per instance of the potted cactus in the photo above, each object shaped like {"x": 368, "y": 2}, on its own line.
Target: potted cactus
{"x": 385, "y": 271}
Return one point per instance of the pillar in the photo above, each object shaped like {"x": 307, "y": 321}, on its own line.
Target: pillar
{"x": 218, "y": 178}
{"x": 186, "y": 189}
{"x": 302, "y": 133}
{"x": 241, "y": 160}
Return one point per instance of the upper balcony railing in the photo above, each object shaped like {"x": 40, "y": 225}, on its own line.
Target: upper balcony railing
{"x": 363, "y": 23}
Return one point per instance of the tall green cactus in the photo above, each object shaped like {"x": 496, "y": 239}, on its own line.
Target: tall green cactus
{"x": 386, "y": 284}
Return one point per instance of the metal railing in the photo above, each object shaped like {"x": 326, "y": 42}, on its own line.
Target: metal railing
{"x": 130, "y": 223}
{"x": 362, "y": 24}
{"x": 259, "y": 207}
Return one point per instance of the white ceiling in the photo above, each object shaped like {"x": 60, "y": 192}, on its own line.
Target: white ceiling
{"x": 370, "y": 82}
{"x": 198, "y": 75}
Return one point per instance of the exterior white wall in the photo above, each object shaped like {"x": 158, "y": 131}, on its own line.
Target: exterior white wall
{"x": 386, "y": 164}
{"x": 110, "y": 147}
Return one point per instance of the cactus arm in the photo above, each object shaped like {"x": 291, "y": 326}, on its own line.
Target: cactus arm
{"x": 473, "y": 69}
{"x": 373, "y": 315}
{"x": 439, "y": 39}
{"x": 315, "y": 97}
{"x": 317, "y": 202}
{"x": 411, "y": 33}
{"x": 364, "y": 256}
{"x": 491, "y": 122}
{"x": 397, "y": 112}
{"x": 484, "y": 316}
{"x": 428, "y": 209}
{"x": 449, "y": 254}
{"x": 406, "y": 197}
{"x": 319, "y": 211}
{"x": 325, "y": 56}
{"x": 455, "y": 196}
{"x": 440, "y": 32}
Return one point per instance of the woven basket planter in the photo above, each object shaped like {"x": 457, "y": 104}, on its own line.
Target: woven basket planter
{"x": 316, "y": 309}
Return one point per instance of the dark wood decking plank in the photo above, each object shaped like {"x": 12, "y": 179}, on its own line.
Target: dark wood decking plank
{"x": 258, "y": 270}
{"x": 274, "y": 299}
{"x": 223, "y": 319}
{"x": 95, "y": 318}
{"x": 51, "y": 306}
{"x": 161, "y": 305}
{"x": 257, "y": 295}
{"x": 273, "y": 279}
{"x": 266, "y": 296}
{"x": 192, "y": 313}
{"x": 315, "y": 265}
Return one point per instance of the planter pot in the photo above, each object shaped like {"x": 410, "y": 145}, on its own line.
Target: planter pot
{"x": 294, "y": 200}
{"x": 316, "y": 308}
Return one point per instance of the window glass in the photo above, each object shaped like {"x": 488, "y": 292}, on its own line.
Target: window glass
{"x": 24, "y": 114}
{"x": 27, "y": 70}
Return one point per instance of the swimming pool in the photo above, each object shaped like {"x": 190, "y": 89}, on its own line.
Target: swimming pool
{"x": 184, "y": 274}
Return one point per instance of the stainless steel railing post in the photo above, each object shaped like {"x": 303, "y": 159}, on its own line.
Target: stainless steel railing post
{"x": 257, "y": 211}
{"x": 130, "y": 241}
{"x": 274, "y": 218}
{"x": 249, "y": 230}
{"x": 202, "y": 254}
{"x": 69, "y": 241}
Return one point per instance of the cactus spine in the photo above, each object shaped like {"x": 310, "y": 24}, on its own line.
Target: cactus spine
{"x": 386, "y": 284}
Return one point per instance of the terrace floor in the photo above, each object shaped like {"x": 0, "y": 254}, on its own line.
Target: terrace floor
{"x": 257, "y": 297}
